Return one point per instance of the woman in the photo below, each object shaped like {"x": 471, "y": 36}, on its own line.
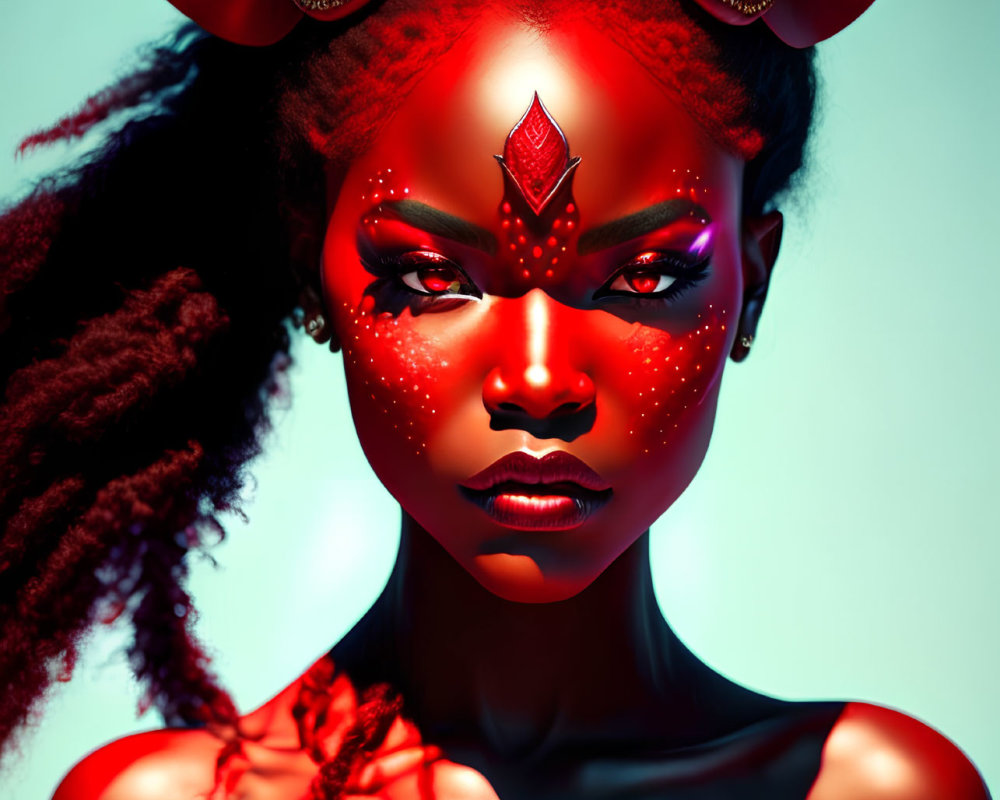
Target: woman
{"x": 404, "y": 269}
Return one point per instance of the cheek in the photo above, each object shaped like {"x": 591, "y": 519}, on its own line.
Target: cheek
{"x": 665, "y": 378}
{"x": 394, "y": 377}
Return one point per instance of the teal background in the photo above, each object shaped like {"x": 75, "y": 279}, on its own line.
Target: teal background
{"x": 841, "y": 540}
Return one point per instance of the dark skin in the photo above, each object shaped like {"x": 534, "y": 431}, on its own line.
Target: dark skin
{"x": 541, "y": 729}
{"x": 523, "y": 693}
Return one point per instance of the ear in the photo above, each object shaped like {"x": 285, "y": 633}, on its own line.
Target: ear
{"x": 761, "y": 239}
{"x": 307, "y": 233}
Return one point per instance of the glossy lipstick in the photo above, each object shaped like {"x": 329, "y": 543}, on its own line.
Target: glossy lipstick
{"x": 556, "y": 492}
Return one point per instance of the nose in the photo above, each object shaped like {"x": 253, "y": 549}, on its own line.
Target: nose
{"x": 536, "y": 386}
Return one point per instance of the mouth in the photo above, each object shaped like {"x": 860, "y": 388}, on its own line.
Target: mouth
{"x": 556, "y": 492}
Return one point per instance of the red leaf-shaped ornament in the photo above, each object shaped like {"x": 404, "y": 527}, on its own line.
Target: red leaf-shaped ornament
{"x": 536, "y": 156}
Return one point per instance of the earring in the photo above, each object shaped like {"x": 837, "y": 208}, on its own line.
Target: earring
{"x": 315, "y": 326}
{"x": 746, "y": 341}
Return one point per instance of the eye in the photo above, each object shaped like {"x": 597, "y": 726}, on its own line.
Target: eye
{"x": 653, "y": 274}
{"x": 642, "y": 275}
{"x": 428, "y": 273}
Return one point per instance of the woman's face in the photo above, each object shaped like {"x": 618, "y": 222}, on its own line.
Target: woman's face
{"x": 534, "y": 349}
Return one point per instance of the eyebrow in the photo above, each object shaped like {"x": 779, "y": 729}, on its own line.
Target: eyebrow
{"x": 642, "y": 222}
{"x": 440, "y": 223}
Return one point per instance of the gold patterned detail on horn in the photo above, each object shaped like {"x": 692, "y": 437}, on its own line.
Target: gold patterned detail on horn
{"x": 323, "y": 5}
{"x": 747, "y": 7}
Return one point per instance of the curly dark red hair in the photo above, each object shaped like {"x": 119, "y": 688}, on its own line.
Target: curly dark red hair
{"x": 145, "y": 297}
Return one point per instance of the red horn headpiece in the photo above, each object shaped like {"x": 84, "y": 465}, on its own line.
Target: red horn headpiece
{"x": 260, "y": 22}
{"x": 799, "y": 23}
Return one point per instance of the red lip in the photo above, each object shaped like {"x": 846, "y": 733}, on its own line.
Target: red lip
{"x": 557, "y": 492}
{"x": 556, "y": 467}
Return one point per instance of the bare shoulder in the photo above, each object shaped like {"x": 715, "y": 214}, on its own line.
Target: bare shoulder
{"x": 160, "y": 765}
{"x": 267, "y": 752}
{"x": 875, "y": 753}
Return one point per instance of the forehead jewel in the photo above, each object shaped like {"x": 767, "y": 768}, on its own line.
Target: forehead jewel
{"x": 536, "y": 157}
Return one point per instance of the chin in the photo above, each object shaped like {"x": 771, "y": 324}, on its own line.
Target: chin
{"x": 520, "y": 579}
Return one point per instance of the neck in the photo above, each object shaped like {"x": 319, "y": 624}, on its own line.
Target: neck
{"x": 526, "y": 679}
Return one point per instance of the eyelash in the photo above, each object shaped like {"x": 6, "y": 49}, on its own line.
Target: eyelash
{"x": 685, "y": 272}
{"x": 392, "y": 271}
{"x": 413, "y": 262}
{"x": 393, "y": 293}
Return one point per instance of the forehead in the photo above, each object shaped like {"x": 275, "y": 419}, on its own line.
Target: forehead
{"x": 637, "y": 145}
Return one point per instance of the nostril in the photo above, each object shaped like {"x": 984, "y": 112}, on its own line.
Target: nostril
{"x": 566, "y": 421}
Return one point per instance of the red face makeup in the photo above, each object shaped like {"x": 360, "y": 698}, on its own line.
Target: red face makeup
{"x": 534, "y": 341}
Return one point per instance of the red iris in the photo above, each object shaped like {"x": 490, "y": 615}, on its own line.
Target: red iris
{"x": 643, "y": 281}
{"x": 438, "y": 279}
